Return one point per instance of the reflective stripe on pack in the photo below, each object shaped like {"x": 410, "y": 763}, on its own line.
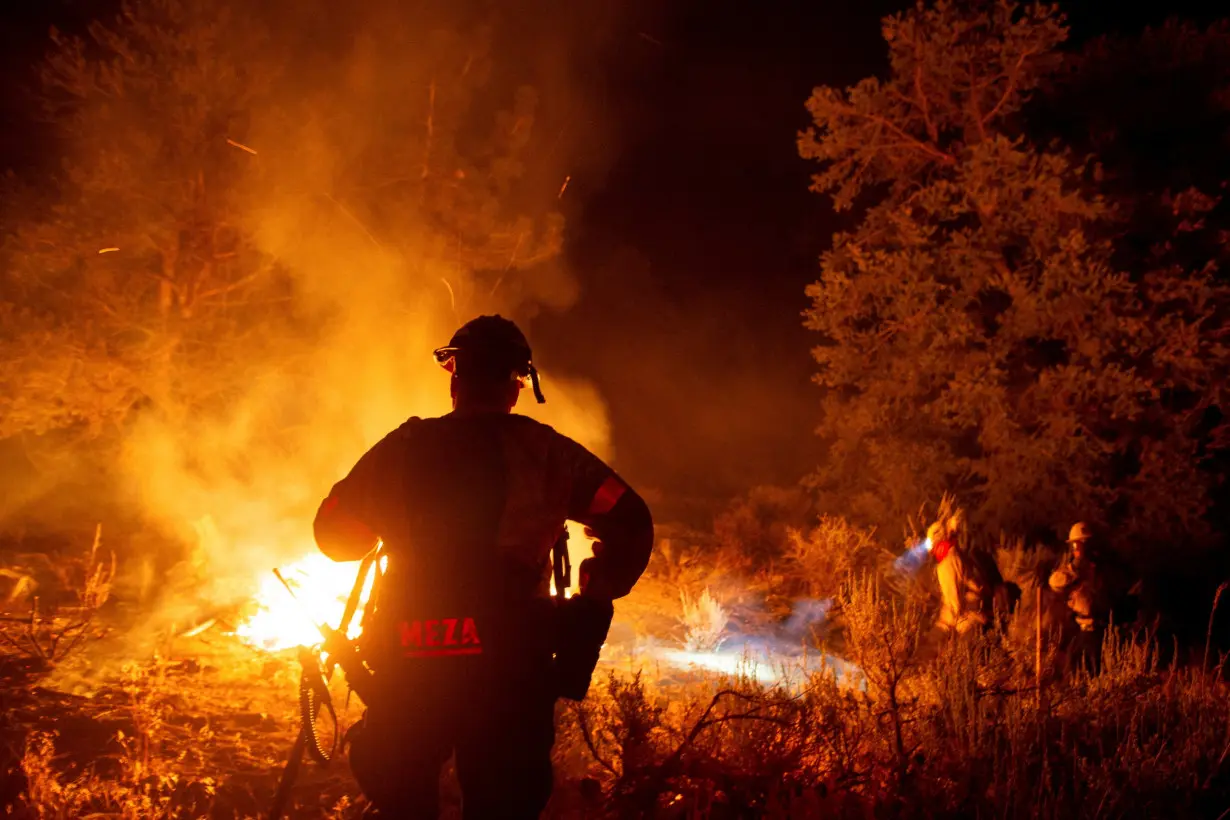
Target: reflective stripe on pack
{"x": 331, "y": 510}
{"x": 607, "y": 497}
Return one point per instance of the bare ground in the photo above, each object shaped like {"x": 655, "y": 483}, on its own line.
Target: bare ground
{"x": 200, "y": 731}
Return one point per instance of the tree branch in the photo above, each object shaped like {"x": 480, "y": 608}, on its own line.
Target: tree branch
{"x": 922, "y": 102}
{"x": 1013, "y": 76}
{"x": 431, "y": 129}
{"x": 233, "y": 286}
{"x": 705, "y": 722}
{"x": 907, "y": 138}
{"x": 587, "y": 736}
{"x": 975, "y": 90}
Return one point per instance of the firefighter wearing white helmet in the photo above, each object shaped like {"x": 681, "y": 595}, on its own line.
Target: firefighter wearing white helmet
{"x": 1078, "y": 580}
{"x": 1091, "y": 582}
{"x": 1080, "y": 534}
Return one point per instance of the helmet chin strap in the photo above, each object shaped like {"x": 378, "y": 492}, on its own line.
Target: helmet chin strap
{"x": 537, "y": 387}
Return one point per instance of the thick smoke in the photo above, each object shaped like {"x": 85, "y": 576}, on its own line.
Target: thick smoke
{"x": 362, "y": 194}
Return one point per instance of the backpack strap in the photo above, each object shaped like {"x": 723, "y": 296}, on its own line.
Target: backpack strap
{"x": 561, "y": 564}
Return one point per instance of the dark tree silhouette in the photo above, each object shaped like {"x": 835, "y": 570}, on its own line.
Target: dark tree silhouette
{"x": 978, "y": 332}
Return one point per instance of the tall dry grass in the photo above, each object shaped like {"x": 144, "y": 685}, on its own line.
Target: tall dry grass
{"x": 984, "y": 726}
{"x": 937, "y": 727}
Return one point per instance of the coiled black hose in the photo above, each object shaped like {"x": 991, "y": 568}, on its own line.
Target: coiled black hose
{"x": 313, "y": 691}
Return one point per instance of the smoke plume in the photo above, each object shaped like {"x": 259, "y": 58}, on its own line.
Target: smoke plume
{"x": 402, "y": 179}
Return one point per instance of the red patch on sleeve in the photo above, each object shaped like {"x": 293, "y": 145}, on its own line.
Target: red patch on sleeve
{"x": 343, "y": 522}
{"x": 607, "y": 496}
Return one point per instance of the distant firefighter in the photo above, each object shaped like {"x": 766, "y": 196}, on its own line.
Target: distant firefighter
{"x": 1093, "y": 583}
{"x": 970, "y": 581}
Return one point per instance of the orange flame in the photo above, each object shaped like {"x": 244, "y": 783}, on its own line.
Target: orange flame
{"x": 322, "y": 587}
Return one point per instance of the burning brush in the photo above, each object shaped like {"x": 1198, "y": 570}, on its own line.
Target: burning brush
{"x": 322, "y": 587}
{"x": 319, "y": 586}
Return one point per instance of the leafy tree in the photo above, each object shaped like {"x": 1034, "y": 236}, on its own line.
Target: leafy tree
{"x": 154, "y": 282}
{"x": 140, "y": 285}
{"x": 1155, "y": 111}
{"x": 977, "y": 333}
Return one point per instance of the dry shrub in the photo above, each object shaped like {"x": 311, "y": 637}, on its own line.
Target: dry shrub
{"x": 47, "y": 796}
{"x": 756, "y": 526}
{"x": 144, "y": 783}
{"x": 683, "y": 566}
{"x": 1027, "y": 567}
{"x": 729, "y": 745}
{"x": 621, "y": 727}
{"x": 704, "y": 621}
{"x": 832, "y": 550}
{"x": 49, "y": 634}
{"x": 884, "y": 637}
{"x": 684, "y": 562}
{"x": 954, "y": 729}
{"x": 1030, "y": 568}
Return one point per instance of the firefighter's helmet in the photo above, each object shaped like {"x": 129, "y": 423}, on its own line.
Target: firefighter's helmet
{"x": 1080, "y": 532}
{"x": 492, "y": 348}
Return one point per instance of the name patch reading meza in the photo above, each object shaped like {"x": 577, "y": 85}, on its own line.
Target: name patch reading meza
{"x": 446, "y": 636}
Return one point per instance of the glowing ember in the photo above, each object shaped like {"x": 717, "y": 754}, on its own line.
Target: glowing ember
{"x": 321, "y": 589}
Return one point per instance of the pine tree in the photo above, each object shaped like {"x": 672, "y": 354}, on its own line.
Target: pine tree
{"x": 976, "y": 332}
{"x": 139, "y": 286}
{"x": 212, "y": 158}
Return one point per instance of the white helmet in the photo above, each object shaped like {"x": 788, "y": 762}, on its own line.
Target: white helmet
{"x": 1080, "y": 532}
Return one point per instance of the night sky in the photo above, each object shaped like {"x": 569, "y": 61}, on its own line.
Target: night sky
{"x": 703, "y": 238}
{"x": 703, "y": 235}
{"x": 695, "y": 242}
